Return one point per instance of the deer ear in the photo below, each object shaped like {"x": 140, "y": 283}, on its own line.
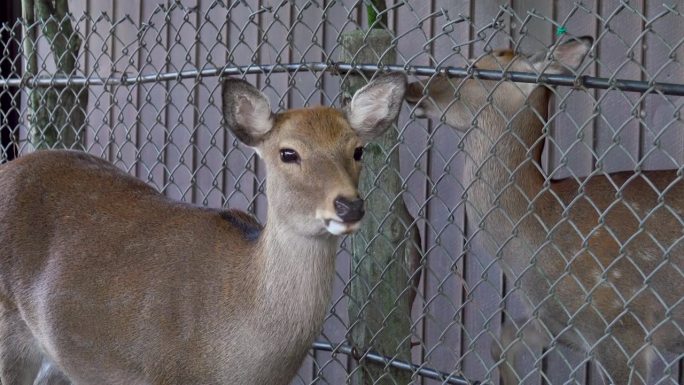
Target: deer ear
{"x": 375, "y": 106}
{"x": 247, "y": 111}
{"x": 565, "y": 58}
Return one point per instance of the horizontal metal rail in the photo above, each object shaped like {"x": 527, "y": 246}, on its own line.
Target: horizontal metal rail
{"x": 342, "y": 68}
{"x": 378, "y": 359}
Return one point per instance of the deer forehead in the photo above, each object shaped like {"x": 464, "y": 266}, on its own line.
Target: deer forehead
{"x": 319, "y": 127}
{"x": 500, "y": 59}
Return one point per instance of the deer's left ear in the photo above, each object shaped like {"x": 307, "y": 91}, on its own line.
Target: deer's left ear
{"x": 375, "y": 106}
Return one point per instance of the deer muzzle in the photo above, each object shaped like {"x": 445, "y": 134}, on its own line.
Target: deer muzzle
{"x": 349, "y": 211}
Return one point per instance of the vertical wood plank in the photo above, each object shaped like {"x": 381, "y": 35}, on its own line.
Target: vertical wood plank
{"x": 443, "y": 287}
{"x": 663, "y": 133}
{"x": 98, "y": 48}
{"x": 210, "y": 47}
{"x": 79, "y": 17}
{"x": 152, "y": 116}
{"x": 482, "y": 300}
{"x": 239, "y": 165}
{"x": 483, "y": 14}
{"x": 125, "y": 109}
{"x": 532, "y": 31}
{"x": 413, "y": 137}
{"x": 180, "y": 145}
{"x": 306, "y": 45}
{"x": 341, "y": 16}
{"x": 617, "y": 136}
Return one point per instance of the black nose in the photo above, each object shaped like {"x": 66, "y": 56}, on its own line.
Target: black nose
{"x": 349, "y": 211}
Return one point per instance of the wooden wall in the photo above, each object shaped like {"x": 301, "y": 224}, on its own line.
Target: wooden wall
{"x": 170, "y": 133}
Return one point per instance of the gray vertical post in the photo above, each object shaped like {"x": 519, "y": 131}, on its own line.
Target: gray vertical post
{"x": 383, "y": 250}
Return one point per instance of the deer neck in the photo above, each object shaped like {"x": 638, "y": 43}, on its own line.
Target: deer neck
{"x": 295, "y": 281}
{"x": 503, "y": 177}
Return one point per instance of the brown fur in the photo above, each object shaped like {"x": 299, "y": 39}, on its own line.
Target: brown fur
{"x": 98, "y": 261}
{"x": 600, "y": 256}
{"x": 105, "y": 281}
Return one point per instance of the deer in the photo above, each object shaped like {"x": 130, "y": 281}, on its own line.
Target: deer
{"x": 110, "y": 282}
{"x": 598, "y": 261}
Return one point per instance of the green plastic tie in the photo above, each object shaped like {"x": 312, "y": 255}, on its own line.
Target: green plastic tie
{"x": 561, "y": 31}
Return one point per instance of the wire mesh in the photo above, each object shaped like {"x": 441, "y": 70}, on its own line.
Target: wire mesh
{"x": 147, "y": 80}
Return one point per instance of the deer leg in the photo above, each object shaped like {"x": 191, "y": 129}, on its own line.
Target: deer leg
{"x": 20, "y": 359}
{"x": 618, "y": 369}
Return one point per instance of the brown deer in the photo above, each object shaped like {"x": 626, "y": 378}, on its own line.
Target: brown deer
{"x": 112, "y": 283}
{"x": 599, "y": 261}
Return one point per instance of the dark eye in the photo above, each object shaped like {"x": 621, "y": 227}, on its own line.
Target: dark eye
{"x": 358, "y": 153}
{"x": 289, "y": 155}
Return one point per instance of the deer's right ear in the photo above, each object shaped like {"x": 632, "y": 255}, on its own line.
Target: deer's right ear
{"x": 247, "y": 111}
{"x": 375, "y": 106}
{"x": 565, "y": 59}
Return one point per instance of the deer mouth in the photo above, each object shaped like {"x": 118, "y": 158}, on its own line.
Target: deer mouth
{"x": 417, "y": 110}
{"x": 336, "y": 227}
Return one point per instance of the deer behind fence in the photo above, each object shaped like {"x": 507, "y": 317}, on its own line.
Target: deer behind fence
{"x": 599, "y": 260}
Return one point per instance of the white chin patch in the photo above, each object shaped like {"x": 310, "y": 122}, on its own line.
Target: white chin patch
{"x": 419, "y": 112}
{"x": 339, "y": 228}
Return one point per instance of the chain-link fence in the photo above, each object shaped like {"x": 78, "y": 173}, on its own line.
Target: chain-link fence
{"x": 138, "y": 83}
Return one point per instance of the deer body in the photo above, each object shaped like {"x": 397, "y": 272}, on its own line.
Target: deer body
{"x": 585, "y": 265}
{"x": 554, "y": 245}
{"x": 215, "y": 296}
{"x": 112, "y": 283}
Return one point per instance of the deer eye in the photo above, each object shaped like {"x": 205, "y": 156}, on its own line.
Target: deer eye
{"x": 288, "y": 155}
{"x": 358, "y": 153}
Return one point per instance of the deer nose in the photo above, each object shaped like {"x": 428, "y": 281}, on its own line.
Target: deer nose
{"x": 349, "y": 210}
{"x": 414, "y": 92}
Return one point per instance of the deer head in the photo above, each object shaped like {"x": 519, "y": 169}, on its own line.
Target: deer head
{"x": 312, "y": 155}
{"x": 460, "y": 103}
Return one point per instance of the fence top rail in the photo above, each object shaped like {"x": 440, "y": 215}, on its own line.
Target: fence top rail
{"x": 345, "y": 68}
